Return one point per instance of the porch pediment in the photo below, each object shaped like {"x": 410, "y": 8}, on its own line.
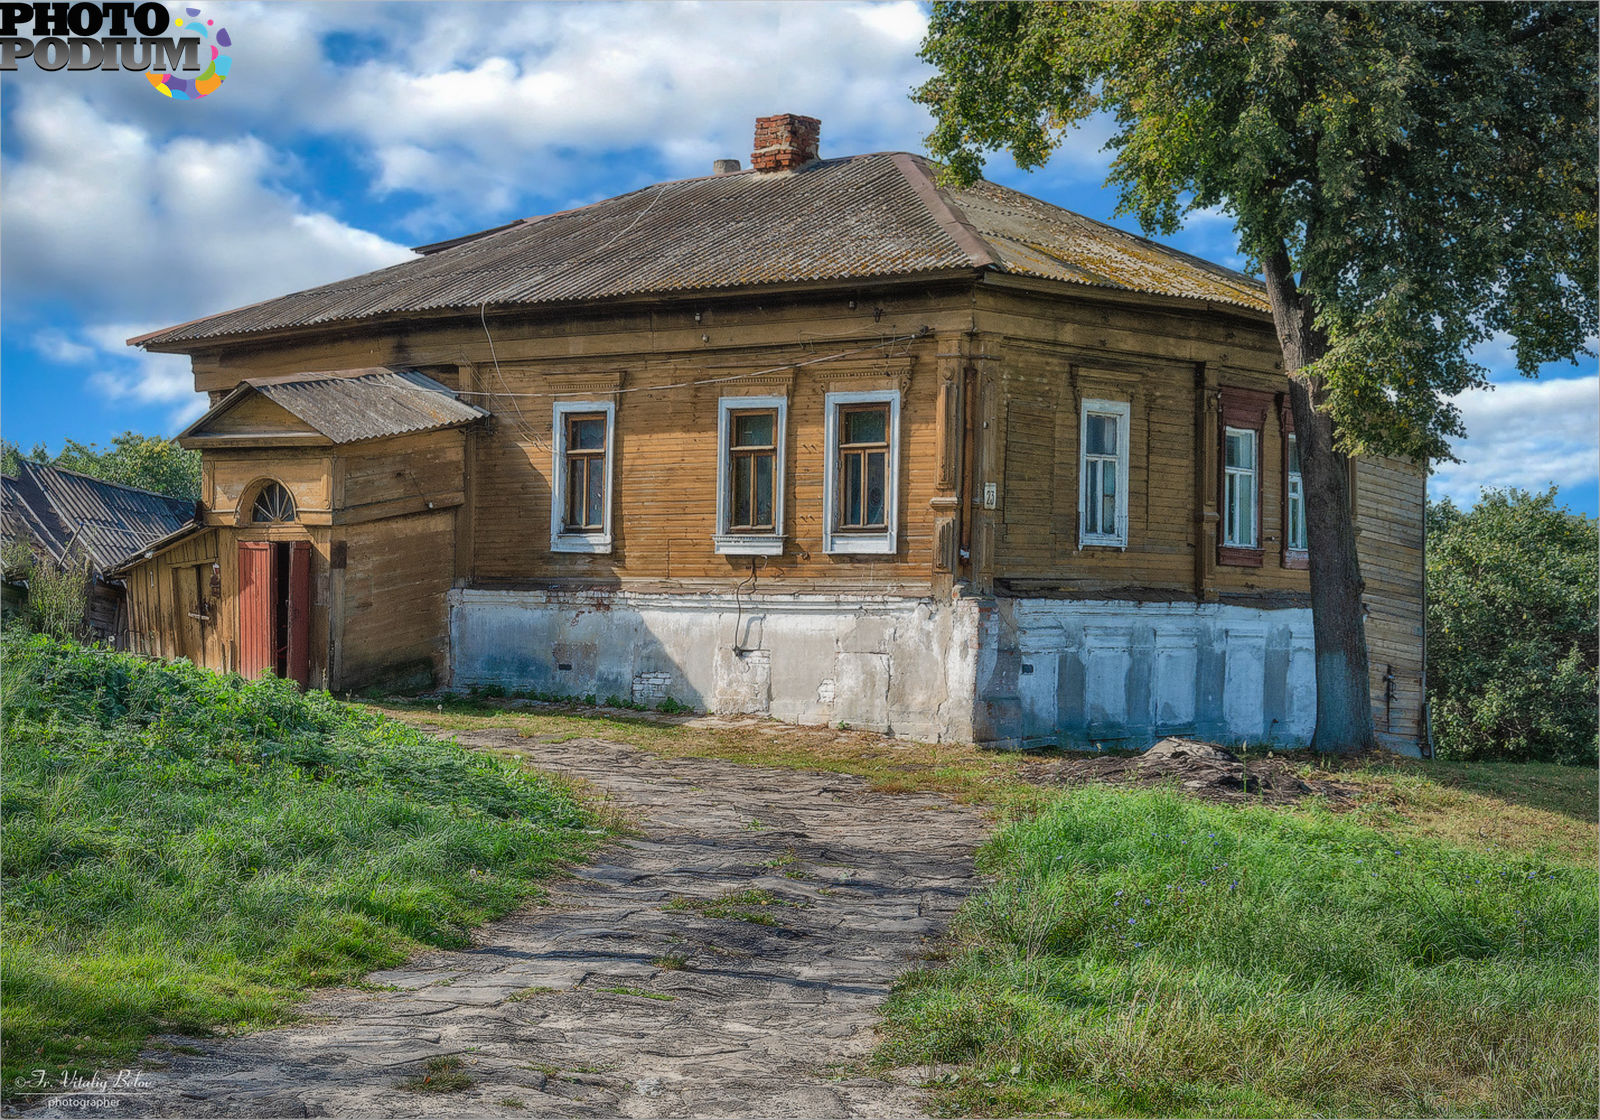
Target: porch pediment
{"x": 328, "y": 408}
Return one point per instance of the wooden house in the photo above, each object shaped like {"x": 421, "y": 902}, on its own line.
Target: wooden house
{"x": 68, "y": 517}
{"x": 819, "y": 439}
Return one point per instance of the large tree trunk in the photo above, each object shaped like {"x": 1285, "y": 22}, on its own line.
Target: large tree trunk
{"x": 1344, "y": 706}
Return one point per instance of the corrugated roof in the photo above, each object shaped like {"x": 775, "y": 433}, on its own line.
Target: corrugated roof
{"x": 350, "y": 405}
{"x": 60, "y": 510}
{"x": 856, "y": 218}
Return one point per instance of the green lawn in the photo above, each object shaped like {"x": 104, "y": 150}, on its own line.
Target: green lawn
{"x": 1142, "y": 953}
{"x": 187, "y": 852}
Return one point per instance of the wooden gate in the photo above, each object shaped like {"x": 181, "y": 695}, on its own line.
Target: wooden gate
{"x": 257, "y": 649}
{"x": 275, "y": 609}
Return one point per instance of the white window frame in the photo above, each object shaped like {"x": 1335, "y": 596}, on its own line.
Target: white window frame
{"x": 883, "y": 542}
{"x": 1123, "y": 413}
{"x": 1294, "y": 494}
{"x": 562, "y": 539}
{"x": 766, "y": 542}
{"x": 1253, "y": 475}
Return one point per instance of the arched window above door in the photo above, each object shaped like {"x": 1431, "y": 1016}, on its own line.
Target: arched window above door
{"x": 273, "y": 504}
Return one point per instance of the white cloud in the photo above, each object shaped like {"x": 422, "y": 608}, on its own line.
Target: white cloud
{"x": 55, "y": 345}
{"x": 511, "y": 101}
{"x": 99, "y": 213}
{"x": 1527, "y": 434}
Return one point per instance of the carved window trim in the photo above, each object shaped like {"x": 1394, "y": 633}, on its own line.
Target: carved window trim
{"x": 563, "y": 539}
{"x": 875, "y": 541}
{"x": 749, "y": 542}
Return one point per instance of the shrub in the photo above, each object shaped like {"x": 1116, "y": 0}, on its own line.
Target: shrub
{"x": 1512, "y": 648}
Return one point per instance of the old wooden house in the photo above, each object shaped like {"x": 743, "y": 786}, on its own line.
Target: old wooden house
{"x": 818, "y": 438}
{"x": 67, "y": 517}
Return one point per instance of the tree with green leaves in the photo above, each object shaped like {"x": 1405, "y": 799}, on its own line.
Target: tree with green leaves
{"x": 1513, "y": 652}
{"x": 1411, "y": 179}
{"x": 148, "y": 462}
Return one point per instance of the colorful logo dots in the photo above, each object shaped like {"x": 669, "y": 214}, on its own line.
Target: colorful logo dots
{"x": 193, "y": 89}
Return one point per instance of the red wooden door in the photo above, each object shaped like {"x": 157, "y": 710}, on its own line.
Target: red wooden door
{"x": 256, "y": 645}
{"x": 299, "y": 666}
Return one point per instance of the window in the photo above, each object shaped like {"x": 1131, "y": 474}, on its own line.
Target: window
{"x": 1239, "y": 488}
{"x": 1243, "y": 421}
{"x": 273, "y": 504}
{"x": 1295, "y": 504}
{"x": 1103, "y": 474}
{"x": 750, "y": 475}
{"x": 863, "y": 435}
{"x": 580, "y": 494}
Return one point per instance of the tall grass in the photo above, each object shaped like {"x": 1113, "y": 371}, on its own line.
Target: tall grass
{"x": 184, "y": 851}
{"x": 1144, "y": 953}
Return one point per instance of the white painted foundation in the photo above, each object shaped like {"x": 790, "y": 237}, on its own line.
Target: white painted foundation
{"x": 898, "y": 665}
{"x": 1126, "y": 674}
{"x": 1003, "y": 671}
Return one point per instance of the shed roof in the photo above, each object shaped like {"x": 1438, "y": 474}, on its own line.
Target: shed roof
{"x": 856, "y": 218}
{"x": 60, "y": 510}
{"x": 345, "y": 406}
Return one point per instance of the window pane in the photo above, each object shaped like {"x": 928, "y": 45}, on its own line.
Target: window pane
{"x": 1102, "y": 435}
{"x": 1247, "y": 528}
{"x": 1294, "y": 455}
{"x": 1241, "y": 449}
{"x": 587, "y": 434}
{"x": 752, "y": 429}
{"x": 1230, "y": 530}
{"x": 1091, "y": 487}
{"x": 1297, "y": 514}
{"x": 575, "y": 484}
{"x": 597, "y": 497}
{"x": 741, "y": 490}
{"x": 867, "y": 425}
{"x": 875, "y": 487}
{"x": 1108, "y": 499}
{"x": 852, "y": 490}
{"x": 763, "y": 490}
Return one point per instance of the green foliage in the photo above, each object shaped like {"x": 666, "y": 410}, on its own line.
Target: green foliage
{"x": 1144, "y": 953}
{"x": 183, "y": 851}
{"x": 1512, "y": 649}
{"x": 1425, "y": 171}
{"x": 148, "y": 462}
{"x": 58, "y": 595}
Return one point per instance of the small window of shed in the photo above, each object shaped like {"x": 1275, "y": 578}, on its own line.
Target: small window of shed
{"x": 273, "y": 504}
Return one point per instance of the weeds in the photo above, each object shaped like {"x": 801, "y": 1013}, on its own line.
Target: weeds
{"x": 743, "y": 906}
{"x": 641, "y": 993}
{"x": 443, "y": 1075}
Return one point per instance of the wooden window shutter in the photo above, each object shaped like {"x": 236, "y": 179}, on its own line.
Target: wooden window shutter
{"x": 299, "y": 667}
{"x": 255, "y": 608}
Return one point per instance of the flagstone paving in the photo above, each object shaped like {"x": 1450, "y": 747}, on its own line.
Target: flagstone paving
{"x": 643, "y": 988}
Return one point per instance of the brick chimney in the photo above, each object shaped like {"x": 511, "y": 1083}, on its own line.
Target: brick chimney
{"x": 784, "y": 142}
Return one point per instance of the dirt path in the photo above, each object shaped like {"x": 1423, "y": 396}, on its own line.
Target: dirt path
{"x": 761, "y": 1020}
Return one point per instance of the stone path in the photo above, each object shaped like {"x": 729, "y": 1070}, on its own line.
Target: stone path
{"x": 759, "y": 1020}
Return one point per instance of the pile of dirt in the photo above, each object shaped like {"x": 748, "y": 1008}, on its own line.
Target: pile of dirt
{"x": 1202, "y": 770}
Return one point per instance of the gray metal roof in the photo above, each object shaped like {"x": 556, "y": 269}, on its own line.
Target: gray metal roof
{"x": 350, "y": 405}
{"x": 856, "y": 218}
{"x": 61, "y": 510}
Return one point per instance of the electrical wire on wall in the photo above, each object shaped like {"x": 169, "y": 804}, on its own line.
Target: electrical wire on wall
{"x": 738, "y": 603}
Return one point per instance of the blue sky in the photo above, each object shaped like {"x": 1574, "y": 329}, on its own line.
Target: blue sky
{"x": 348, "y": 132}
